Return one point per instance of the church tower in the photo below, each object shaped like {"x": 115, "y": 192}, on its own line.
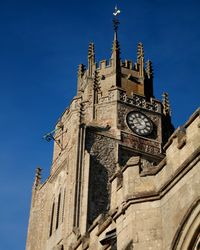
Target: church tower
{"x": 113, "y": 124}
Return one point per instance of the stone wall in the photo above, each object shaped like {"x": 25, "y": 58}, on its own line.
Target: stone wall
{"x": 102, "y": 166}
{"x": 155, "y": 209}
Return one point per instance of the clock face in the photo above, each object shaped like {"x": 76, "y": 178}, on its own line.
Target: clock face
{"x": 139, "y": 123}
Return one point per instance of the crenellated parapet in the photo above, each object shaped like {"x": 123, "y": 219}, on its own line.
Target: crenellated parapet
{"x": 127, "y": 75}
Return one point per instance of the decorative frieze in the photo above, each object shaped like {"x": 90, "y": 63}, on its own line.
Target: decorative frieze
{"x": 140, "y": 144}
{"x": 140, "y": 101}
{"x": 134, "y": 100}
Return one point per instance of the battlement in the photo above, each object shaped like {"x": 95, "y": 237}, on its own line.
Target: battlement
{"x": 131, "y": 77}
{"x": 105, "y": 64}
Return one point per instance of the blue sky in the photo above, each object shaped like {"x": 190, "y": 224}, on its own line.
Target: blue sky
{"x": 41, "y": 45}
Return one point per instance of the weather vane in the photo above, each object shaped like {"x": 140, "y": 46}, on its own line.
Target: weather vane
{"x": 117, "y": 11}
{"x": 115, "y": 18}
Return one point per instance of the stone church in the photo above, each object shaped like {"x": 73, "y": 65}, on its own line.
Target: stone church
{"x": 121, "y": 177}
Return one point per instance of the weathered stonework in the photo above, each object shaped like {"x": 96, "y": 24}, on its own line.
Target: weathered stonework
{"x": 110, "y": 187}
{"x": 102, "y": 166}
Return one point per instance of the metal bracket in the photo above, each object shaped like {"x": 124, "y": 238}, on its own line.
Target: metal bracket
{"x": 51, "y": 135}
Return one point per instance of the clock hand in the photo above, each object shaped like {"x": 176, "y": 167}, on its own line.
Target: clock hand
{"x": 138, "y": 121}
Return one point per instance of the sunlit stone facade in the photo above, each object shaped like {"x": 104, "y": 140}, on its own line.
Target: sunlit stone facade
{"x": 121, "y": 178}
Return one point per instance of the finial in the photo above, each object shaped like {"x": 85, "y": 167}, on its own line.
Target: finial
{"x": 149, "y": 69}
{"x": 116, "y": 26}
{"x": 115, "y": 58}
{"x": 166, "y": 104}
{"x": 37, "y": 177}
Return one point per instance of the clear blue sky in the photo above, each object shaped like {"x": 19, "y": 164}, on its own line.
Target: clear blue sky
{"x": 41, "y": 45}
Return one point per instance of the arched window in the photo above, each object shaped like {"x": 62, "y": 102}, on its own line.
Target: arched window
{"x": 188, "y": 233}
{"x": 58, "y": 211}
{"x": 52, "y": 218}
{"x": 197, "y": 247}
{"x": 63, "y": 207}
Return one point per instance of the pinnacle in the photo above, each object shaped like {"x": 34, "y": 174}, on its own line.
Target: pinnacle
{"x": 140, "y": 51}
{"x": 91, "y": 58}
{"x": 37, "y": 177}
{"x": 91, "y": 51}
{"x": 81, "y": 70}
{"x": 149, "y": 69}
{"x": 166, "y": 104}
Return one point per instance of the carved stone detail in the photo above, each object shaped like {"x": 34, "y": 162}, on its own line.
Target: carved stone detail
{"x": 108, "y": 98}
{"x": 133, "y": 161}
{"x": 140, "y": 101}
{"x": 140, "y": 144}
{"x": 37, "y": 181}
{"x": 146, "y": 165}
{"x": 77, "y": 103}
{"x": 181, "y": 135}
